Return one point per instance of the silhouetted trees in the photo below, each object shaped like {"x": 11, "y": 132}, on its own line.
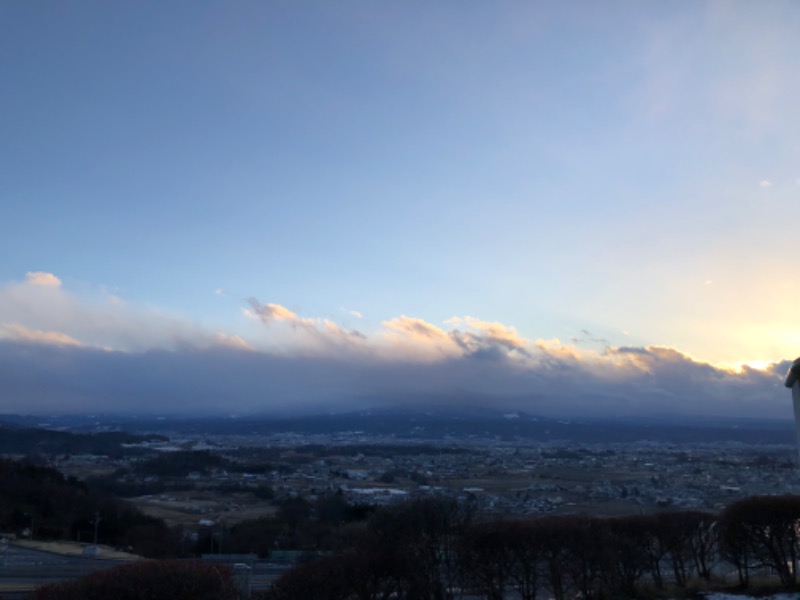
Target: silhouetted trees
{"x": 487, "y": 555}
{"x": 350, "y": 576}
{"x": 431, "y": 549}
{"x": 411, "y": 551}
{"x": 687, "y": 541}
{"x": 526, "y": 548}
{"x": 575, "y": 554}
{"x": 428, "y": 549}
{"x": 47, "y": 505}
{"x": 628, "y": 552}
{"x": 253, "y": 536}
{"x": 154, "y": 580}
{"x": 38, "y": 442}
{"x": 422, "y": 540}
{"x": 760, "y": 532}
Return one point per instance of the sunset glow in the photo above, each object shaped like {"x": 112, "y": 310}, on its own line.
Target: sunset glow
{"x": 551, "y": 207}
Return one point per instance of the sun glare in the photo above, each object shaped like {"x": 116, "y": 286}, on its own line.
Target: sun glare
{"x": 739, "y": 367}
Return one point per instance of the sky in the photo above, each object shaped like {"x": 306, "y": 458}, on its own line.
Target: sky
{"x": 254, "y": 207}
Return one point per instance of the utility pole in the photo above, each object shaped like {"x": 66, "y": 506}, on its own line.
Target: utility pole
{"x": 96, "y": 525}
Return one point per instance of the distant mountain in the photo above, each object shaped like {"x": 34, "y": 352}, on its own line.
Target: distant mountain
{"x": 19, "y": 440}
{"x": 456, "y": 425}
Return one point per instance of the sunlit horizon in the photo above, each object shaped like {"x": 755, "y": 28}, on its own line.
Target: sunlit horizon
{"x": 564, "y": 207}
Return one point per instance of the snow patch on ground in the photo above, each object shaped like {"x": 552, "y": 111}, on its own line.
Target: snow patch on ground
{"x": 737, "y": 597}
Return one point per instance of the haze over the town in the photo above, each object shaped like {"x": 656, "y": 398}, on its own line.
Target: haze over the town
{"x": 556, "y": 207}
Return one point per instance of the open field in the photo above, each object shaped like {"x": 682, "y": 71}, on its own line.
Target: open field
{"x": 190, "y": 507}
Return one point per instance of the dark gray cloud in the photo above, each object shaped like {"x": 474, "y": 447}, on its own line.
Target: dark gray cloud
{"x": 63, "y": 353}
{"x": 44, "y": 378}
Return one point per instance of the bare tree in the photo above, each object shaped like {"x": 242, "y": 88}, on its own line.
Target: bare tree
{"x": 762, "y": 532}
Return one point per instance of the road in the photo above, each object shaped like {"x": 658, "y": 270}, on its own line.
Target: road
{"x": 24, "y": 569}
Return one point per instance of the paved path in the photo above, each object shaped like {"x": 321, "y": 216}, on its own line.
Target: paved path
{"x": 23, "y": 568}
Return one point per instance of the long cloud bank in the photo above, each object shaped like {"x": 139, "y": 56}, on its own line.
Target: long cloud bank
{"x": 63, "y": 353}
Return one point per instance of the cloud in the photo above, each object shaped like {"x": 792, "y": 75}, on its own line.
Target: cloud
{"x": 488, "y": 332}
{"x": 765, "y": 183}
{"x": 20, "y": 333}
{"x": 469, "y": 336}
{"x": 43, "y": 279}
{"x": 272, "y": 312}
{"x": 624, "y": 381}
{"x": 416, "y": 329}
{"x": 315, "y": 334}
{"x": 61, "y": 352}
{"x": 226, "y": 340}
{"x": 39, "y": 310}
{"x": 413, "y": 339}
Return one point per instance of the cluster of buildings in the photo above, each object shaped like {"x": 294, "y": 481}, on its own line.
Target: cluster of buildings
{"x": 513, "y": 478}
{"x": 524, "y": 480}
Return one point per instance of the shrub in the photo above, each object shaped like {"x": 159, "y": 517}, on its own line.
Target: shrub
{"x": 148, "y": 580}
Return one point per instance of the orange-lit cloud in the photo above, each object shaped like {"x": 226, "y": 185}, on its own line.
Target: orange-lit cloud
{"x": 481, "y": 334}
{"x": 231, "y": 341}
{"x": 285, "y": 358}
{"x": 18, "y": 332}
{"x": 315, "y": 334}
{"x": 271, "y": 312}
{"x": 43, "y": 279}
{"x": 416, "y": 329}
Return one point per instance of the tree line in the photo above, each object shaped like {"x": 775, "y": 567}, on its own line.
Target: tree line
{"x": 39, "y": 502}
{"x": 437, "y": 550}
{"x": 33, "y": 442}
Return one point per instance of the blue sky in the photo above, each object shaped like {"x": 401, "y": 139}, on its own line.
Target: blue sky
{"x": 537, "y": 182}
